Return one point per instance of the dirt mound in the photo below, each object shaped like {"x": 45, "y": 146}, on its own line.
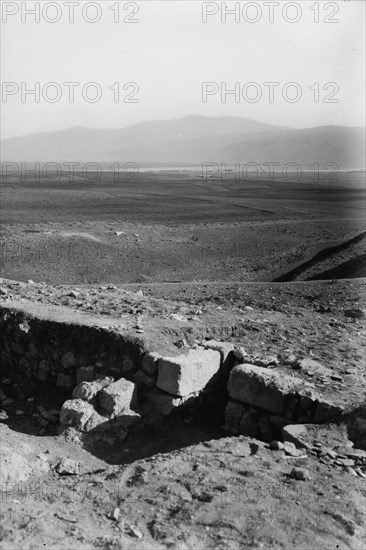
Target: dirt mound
{"x": 342, "y": 261}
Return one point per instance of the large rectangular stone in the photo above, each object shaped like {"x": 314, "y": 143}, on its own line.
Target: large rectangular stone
{"x": 188, "y": 373}
{"x": 261, "y": 387}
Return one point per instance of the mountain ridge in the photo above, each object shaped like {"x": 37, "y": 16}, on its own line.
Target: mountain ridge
{"x": 193, "y": 139}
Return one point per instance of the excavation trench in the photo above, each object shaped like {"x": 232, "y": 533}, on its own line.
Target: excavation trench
{"x": 91, "y": 382}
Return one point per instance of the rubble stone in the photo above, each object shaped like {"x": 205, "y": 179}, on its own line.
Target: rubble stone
{"x": 68, "y": 360}
{"x": 312, "y": 368}
{"x": 88, "y": 390}
{"x": 117, "y": 396}
{"x": 66, "y": 466}
{"x": 76, "y": 413}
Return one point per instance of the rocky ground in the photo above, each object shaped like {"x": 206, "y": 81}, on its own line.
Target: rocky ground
{"x": 181, "y": 482}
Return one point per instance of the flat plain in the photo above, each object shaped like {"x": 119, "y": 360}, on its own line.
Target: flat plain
{"x": 173, "y": 226}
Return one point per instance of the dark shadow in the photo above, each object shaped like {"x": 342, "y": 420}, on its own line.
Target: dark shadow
{"x": 144, "y": 441}
{"x": 319, "y": 257}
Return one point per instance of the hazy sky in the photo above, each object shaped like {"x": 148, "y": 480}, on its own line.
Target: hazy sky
{"x": 170, "y": 52}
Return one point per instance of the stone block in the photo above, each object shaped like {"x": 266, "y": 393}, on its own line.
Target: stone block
{"x": 186, "y": 374}
{"x": 261, "y": 387}
{"x": 117, "y": 396}
{"x": 68, "y": 360}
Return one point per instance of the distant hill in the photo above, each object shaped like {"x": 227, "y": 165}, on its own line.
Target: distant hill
{"x": 193, "y": 140}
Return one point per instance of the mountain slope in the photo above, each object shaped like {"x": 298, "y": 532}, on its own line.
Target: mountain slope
{"x": 103, "y": 144}
{"x": 194, "y": 139}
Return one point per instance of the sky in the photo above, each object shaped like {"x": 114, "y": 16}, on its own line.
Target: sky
{"x": 169, "y": 53}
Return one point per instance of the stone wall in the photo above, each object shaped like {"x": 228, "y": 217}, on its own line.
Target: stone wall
{"x": 57, "y": 351}
{"x": 112, "y": 381}
{"x": 109, "y": 379}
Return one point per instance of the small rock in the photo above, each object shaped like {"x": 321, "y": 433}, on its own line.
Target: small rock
{"x": 312, "y": 368}
{"x": 300, "y": 474}
{"x": 3, "y": 415}
{"x": 276, "y": 446}
{"x": 68, "y": 360}
{"x": 115, "y": 514}
{"x": 248, "y": 308}
{"x": 49, "y": 417}
{"x": 181, "y": 343}
{"x": 240, "y": 354}
{"x": 67, "y": 466}
{"x": 88, "y": 390}
{"x": 178, "y": 317}
{"x": 290, "y": 359}
{"x": 291, "y": 450}
{"x": 349, "y": 452}
{"x": 127, "y": 365}
{"x": 346, "y": 461}
{"x": 336, "y": 377}
{"x": 133, "y": 532}
{"x": 24, "y": 327}
{"x": 331, "y": 454}
{"x": 43, "y": 456}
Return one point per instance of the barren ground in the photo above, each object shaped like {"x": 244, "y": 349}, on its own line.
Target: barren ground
{"x": 184, "y": 483}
